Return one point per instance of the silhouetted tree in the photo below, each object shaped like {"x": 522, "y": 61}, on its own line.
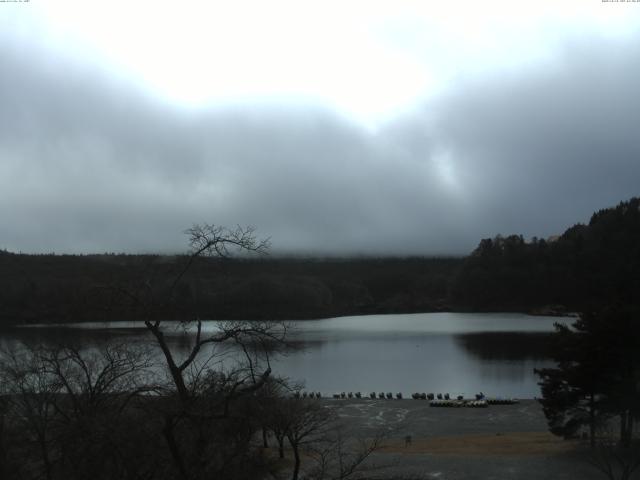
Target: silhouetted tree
{"x": 613, "y": 459}
{"x": 305, "y": 421}
{"x": 338, "y": 457}
{"x": 598, "y": 373}
{"x": 68, "y": 412}
{"x": 205, "y": 425}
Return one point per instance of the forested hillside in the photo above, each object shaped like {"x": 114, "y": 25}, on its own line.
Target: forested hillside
{"x": 53, "y": 288}
{"x": 588, "y": 265}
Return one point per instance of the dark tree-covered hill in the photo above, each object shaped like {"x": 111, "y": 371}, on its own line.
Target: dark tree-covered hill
{"x": 70, "y": 288}
{"x": 586, "y": 267}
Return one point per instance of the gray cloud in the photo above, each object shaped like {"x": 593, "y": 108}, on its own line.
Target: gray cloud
{"x": 543, "y": 149}
{"x": 89, "y": 163}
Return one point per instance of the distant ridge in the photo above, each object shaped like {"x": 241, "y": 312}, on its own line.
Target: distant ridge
{"x": 586, "y": 266}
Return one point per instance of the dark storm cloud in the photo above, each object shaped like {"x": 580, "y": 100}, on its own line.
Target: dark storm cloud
{"x": 542, "y": 149}
{"x": 88, "y": 163}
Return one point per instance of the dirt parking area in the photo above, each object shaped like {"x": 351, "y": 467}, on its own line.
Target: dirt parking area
{"x": 497, "y": 442}
{"x": 416, "y": 418}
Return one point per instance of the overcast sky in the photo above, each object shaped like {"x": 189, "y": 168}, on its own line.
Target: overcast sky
{"x": 332, "y": 127}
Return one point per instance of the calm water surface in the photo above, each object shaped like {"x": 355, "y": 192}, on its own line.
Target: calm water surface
{"x": 459, "y": 353}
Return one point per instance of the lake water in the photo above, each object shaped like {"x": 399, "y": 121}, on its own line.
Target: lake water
{"x": 458, "y": 353}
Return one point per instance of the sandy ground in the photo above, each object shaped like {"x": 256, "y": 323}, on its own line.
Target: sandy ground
{"x": 497, "y": 442}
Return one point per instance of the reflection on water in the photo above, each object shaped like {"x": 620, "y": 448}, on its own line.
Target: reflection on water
{"x": 439, "y": 352}
{"x": 507, "y": 345}
{"x": 436, "y": 363}
{"x": 76, "y": 337}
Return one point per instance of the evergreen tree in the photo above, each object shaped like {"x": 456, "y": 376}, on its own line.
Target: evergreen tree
{"x": 598, "y": 373}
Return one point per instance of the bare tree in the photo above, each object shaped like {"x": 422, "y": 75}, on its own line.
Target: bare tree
{"x": 312, "y": 428}
{"x": 211, "y": 240}
{"x": 306, "y": 422}
{"x": 66, "y": 409}
{"x": 615, "y": 459}
{"x": 5, "y": 449}
{"x": 337, "y": 457}
{"x": 270, "y": 412}
{"x": 83, "y": 410}
{"x": 30, "y": 396}
{"x": 98, "y": 379}
{"x": 209, "y": 380}
{"x": 277, "y": 412}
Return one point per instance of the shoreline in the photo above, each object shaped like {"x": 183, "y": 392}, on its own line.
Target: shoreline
{"x": 75, "y": 324}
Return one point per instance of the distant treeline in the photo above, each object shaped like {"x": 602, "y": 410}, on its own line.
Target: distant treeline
{"x": 57, "y": 288}
{"x": 587, "y": 265}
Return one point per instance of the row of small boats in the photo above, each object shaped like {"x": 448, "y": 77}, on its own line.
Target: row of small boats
{"x": 478, "y": 403}
{"x": 459, "y": 403}
{"x": 435, "y": 400}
